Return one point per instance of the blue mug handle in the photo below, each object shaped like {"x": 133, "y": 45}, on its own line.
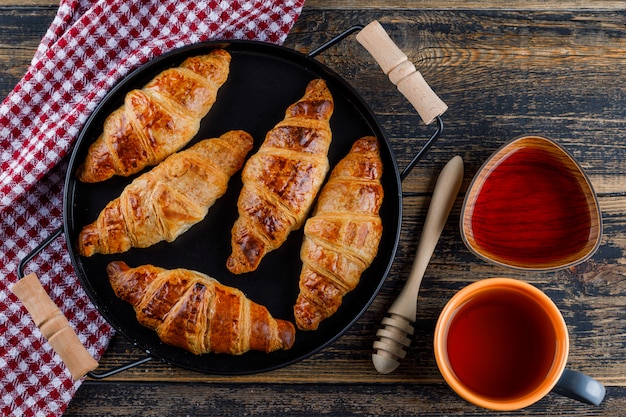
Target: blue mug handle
{"x": 581, "y": 387}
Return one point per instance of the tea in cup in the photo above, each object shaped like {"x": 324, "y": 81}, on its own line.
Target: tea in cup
{"x": 502, "y": 344}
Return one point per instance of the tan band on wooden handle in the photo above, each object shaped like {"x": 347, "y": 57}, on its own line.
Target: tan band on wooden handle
{"x": 54, "y": 326}
{"x": 401, "y": 72}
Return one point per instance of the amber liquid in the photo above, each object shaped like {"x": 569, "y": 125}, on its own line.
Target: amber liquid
{"x": 530, "y": 210}
{"x": 501, "y": 344}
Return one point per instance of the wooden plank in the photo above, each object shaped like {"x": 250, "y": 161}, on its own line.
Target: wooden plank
{"x": 21, "y": 32}
{"x": 414, "y": 4}
{"x": 308, "y": 400}
{"x": 465, "y": 5}
{"x": 28, "y": 3}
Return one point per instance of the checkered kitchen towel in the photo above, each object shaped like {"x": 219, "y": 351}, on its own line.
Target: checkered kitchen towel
{"x": 87, "y": 49}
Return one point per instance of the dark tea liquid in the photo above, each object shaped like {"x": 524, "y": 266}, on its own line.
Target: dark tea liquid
{"x": 531, "y": 210}
{"x": 501, "y": 344}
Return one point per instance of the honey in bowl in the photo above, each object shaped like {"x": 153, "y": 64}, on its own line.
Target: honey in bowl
{"x": 532, "y": 207}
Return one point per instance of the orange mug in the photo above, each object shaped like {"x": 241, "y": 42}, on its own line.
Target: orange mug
{"x": 502, "y": 344}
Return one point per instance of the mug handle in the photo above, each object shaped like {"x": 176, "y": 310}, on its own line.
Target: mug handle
{"x": 580, "y": 387}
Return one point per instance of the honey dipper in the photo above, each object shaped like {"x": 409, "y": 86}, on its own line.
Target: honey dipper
{"x": 392, "y": 338}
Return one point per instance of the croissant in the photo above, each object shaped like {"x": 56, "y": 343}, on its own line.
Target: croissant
{"x": 195, "y": 312}
{"x": 282, "y": 179}
{"x": 166, "y": 201}
{"x": 341, "y": 238}
{"x": 158, "y": 119}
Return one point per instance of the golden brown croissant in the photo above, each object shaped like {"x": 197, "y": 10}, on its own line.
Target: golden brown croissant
{"x": 195, "y": 312}
{"x": 282, "y": 179}
{"x": 342, "y": 238}
{"x": 157, "y": 120}
{"x": 166, "y": 201}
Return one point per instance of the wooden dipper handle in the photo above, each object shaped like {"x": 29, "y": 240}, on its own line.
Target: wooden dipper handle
{"x": 392, "y": 338}
{"x": 54, "y": 326}
{"x": 401, "y": 72}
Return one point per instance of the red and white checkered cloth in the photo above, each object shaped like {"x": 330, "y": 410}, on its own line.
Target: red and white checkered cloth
{"x": 87, "y": 49}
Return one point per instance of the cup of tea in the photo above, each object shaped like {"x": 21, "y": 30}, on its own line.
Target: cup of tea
{"x": 502, "y": 344}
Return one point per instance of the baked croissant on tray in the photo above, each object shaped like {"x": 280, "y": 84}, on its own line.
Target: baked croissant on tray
{"x": 195, "y": 312}
{"x": 282, "y": 179}
{"x": 158, "y": 119}
{"x": 342, "y": 237}
{"x": 166, "y": 201}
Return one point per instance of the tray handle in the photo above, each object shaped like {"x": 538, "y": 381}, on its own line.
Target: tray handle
{"x": 401, "y": 72}
{"x": 375, "y": 39}
{"x": 49, "y": 318}
{"x": 54, "y": 326}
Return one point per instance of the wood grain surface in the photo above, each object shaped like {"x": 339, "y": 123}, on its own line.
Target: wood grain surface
{"x": 553, "y": 68}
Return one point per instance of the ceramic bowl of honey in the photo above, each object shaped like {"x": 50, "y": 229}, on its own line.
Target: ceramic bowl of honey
{"x": 531, "y": 206}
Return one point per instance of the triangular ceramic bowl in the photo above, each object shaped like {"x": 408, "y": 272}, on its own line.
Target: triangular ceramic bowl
{"x": 531, "y": 206}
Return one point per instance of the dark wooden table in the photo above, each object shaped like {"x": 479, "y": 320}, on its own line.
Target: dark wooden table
{"x": 555, "y": 68}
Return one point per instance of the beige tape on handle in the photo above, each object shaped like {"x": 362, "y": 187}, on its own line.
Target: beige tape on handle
{"x": 396, "y": 65}
{"x": 54, "y": 326}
